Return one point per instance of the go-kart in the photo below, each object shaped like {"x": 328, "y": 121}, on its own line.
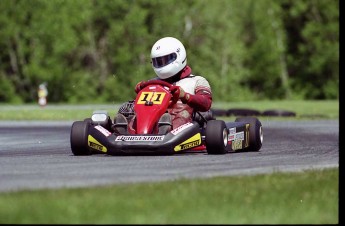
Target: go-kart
{"x": 97, "y": 134}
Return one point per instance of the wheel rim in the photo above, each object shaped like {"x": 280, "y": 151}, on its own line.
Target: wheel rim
{"x": 225, "y": 137}
{"x": 261, "y": 134}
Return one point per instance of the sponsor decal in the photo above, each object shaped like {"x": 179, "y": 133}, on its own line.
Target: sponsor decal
{"x": 236, "y": 145}
{"x": 232, "y": 130}
{"x": 103, "y": 130}
{"x": 94, "y": 144}
{"x": 154, "y": 97}
{"x": 236, "y": 136}
{"x": 239, "y": 136}
{"x": 139, "y": 138}
{"x": 231, "y": 137}
{"x": 181, "y": 128}
{"x": 190, "y": 143}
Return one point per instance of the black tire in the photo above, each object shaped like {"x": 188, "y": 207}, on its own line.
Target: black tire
{"x": 218, "y": 112}
{"x": 79, "y": 133}
{"x": 255, "y": 133}
{"x": 243, "y": 112}
{"x": 275, "y": 112}
{"x": 216, "y": 137}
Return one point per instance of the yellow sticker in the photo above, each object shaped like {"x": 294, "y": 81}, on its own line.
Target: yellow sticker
{"x": 236, "y": 145}
{"x": 154, "y": 97}
{"x": 190, "y": 143}
{"x": 247, "y": 135}
{"x": 93, "y": 143}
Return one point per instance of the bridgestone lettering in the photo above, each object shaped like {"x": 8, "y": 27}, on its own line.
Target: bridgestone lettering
{"x": 139, "y": 138}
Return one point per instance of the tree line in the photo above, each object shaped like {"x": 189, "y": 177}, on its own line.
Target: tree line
{"x": 95, "y": 51}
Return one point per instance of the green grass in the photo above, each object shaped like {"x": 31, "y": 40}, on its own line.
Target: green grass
{"x": 310, "y": 197}
{"x": 311, "y": 109}
{"x": 304, "y": 109}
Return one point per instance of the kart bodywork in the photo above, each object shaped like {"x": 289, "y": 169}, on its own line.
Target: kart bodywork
{"x": 97, "y": 135}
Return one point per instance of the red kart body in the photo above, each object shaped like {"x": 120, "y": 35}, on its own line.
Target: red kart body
{"x": 150, "y": 104}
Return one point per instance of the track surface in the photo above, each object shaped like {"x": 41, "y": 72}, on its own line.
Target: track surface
{"x": 37, "y": 155}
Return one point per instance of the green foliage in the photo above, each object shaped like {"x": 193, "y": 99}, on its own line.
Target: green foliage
{"x": 7, "y": 92}
{"x": 90, "y": 51}
{"x": 265, "y": 44}
{"x": 313, "y": 54}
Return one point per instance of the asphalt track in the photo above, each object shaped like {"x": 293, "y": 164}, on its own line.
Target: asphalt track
{"x": 36, "y": 155}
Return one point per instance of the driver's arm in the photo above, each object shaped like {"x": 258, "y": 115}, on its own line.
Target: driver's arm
{"x": 200, "y": 101}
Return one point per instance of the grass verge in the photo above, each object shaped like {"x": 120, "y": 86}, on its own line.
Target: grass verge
{"x": 310, "y": 197}
{"x": 328, "y": 109}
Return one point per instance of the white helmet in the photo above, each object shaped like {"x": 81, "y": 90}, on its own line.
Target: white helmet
{"x": 168, "y": 57}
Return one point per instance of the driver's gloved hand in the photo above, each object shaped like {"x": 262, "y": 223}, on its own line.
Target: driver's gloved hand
{"x": 138, "y": 86}
{"x": 178, "y": 91}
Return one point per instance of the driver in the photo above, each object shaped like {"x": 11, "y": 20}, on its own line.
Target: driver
{"x": 169, "y": 62}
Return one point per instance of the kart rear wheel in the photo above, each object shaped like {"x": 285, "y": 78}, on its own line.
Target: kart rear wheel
{"x": 79, "y": 132}
{"x": 255, "y": 133}
{"x": 216, "y": 137}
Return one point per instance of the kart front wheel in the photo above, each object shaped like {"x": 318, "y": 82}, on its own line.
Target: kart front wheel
{"x": 255, "y": 133}
{"x": 216, "y": 137}
{"x": 79, "y": 132}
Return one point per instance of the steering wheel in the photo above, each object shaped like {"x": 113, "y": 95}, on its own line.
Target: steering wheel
{"x": 172, "y": 88}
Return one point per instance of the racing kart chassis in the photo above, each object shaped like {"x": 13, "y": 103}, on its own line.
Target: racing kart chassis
{"x": 97, "y": 135}
{"x": 245, "y": 134}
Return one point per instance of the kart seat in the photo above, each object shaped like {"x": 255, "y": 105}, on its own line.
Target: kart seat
{"x": 164, "y": 124}
{"x": 202, "y": 117}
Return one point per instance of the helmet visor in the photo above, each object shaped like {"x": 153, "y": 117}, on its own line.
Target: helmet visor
{"x": 164, "y": 60}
